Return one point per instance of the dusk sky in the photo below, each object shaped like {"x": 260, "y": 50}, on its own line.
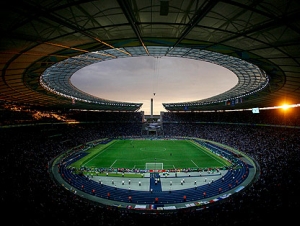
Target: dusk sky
{"x": 137, "y": 79}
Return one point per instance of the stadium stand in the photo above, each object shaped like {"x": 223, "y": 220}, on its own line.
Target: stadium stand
{"x": 26, "y": 153}
{"x": 43, "y": 43}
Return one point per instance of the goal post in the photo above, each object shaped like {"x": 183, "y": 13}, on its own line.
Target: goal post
{"x": 154, "y": 166}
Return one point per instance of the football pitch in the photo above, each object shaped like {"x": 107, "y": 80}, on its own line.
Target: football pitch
{"x": 151, "y": 155}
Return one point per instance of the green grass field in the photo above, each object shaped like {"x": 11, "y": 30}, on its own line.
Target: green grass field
{"x": 136, "y": 154}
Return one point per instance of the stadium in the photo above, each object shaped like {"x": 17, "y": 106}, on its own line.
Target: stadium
{"x": 71, "y": 158}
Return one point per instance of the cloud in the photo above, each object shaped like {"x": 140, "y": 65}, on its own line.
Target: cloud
{"x": 136, "y": 79}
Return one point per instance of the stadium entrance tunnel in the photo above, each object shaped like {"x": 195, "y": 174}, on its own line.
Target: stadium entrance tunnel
{"x": 158, "y": 190}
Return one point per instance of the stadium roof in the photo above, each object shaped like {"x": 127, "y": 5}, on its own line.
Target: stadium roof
{"x": 44, "y": 42}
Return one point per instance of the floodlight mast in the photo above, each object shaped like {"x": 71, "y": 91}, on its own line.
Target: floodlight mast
{"x": 151, "y": 108}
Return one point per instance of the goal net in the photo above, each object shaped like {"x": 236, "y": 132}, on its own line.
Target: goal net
{"x": 154, "y": 166}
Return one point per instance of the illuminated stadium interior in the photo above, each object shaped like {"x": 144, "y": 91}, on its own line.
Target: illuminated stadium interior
{"x": 46, "y": 122}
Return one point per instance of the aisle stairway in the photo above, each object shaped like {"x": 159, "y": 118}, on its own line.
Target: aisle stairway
{"x": 155, "y": 183}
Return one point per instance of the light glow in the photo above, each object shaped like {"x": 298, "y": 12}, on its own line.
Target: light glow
{"x": 285, "y": 106}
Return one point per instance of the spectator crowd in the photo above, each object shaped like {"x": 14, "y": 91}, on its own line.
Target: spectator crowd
{"x": 29, "y": 195}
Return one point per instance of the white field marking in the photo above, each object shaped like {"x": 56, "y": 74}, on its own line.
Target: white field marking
{"x": 194, "y": 163}
{"x": 212, "y": 156}
{"x": 113, "y": 164}
{"x": 101, "y": 152}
